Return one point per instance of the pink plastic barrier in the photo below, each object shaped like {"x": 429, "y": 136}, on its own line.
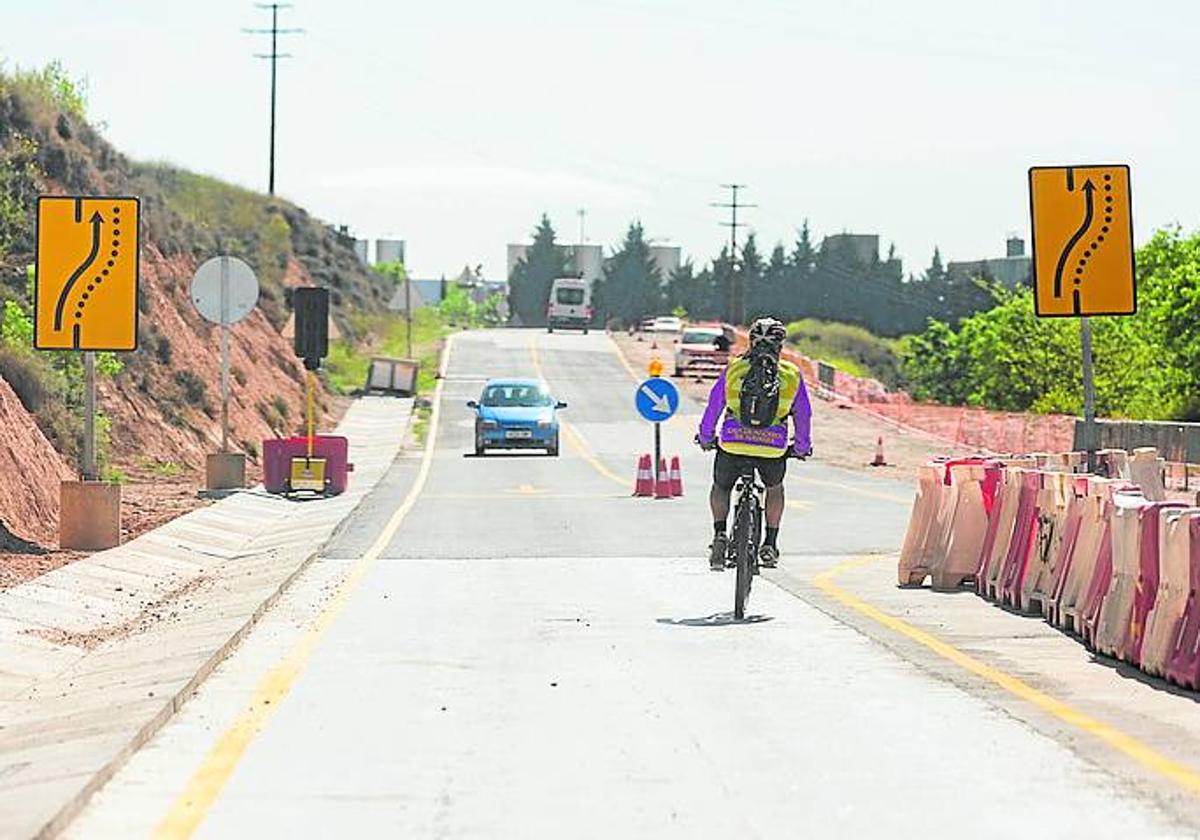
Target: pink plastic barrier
{"x": 1146, "y": 586}
{"x": 1112, "y": 625}
{"x": 1087, "y": 612}
{"x": 1174, "y": 556}
{"x": 1184, "y": 667}
{"x": 1016, "y": 562}
{"x": 1072, "y": 526}
{"x": 279, "y": 452}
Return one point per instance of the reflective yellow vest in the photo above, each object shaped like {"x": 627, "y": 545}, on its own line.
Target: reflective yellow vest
{"x": 770, "y": 442}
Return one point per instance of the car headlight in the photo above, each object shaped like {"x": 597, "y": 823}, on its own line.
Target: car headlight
{"x": 490, "y": 424}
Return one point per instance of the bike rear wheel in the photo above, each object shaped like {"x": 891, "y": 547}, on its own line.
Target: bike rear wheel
{"x": 744, "y": 547}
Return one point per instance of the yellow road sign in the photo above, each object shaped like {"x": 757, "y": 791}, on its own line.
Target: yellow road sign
{"x": 86, "y": 286}
{"x": 1082, "y": 241}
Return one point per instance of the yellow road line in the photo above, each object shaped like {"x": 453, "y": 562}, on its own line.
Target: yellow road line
{"x": 574, "y": 438}
{"x": 1131, "y": 747}
{"x": 193, "y": 804}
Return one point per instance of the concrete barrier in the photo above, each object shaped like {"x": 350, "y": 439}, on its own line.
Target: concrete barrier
{"x": 1175, "y": 542}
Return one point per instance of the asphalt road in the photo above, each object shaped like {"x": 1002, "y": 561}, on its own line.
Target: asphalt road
{"x": 535, "y": 654}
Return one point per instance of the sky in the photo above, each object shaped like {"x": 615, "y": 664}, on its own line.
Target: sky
{"x": 455, "y": 124}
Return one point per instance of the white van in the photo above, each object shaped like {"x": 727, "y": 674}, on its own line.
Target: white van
{"x": 570, "y": 304}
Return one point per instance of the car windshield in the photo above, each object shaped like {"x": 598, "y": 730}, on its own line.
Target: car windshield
{"x": 570, "y": 297}
{"x": 516, "y": 396}
{"x": 700, "y": 337}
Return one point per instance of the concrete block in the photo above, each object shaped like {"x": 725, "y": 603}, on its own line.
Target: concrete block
{"x": 225, "y": 471}
{"x": 91, "y": 515}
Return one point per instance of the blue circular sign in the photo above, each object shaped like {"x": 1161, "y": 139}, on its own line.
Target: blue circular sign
{"x": 657, "y": 399}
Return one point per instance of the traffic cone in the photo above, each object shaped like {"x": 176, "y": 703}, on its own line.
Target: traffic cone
{"x": 879, "y": 461}
{"x": 662, "y": 482}
{"x": 676, "y": 477}
{"x": 645, "y": 479}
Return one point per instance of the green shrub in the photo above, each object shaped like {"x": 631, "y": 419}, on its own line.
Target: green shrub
{"x": 849, "y": 348}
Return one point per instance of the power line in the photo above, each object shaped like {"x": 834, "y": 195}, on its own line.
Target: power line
{"x": 735, "y": 305}
{"x": 273, "y": 57}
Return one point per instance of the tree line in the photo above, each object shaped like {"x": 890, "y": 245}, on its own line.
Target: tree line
{"x": 791, "y": 282}
{"x": 1147, "y": 366}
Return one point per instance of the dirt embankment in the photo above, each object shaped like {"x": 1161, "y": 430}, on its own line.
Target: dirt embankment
{"x": 163, "y": 409}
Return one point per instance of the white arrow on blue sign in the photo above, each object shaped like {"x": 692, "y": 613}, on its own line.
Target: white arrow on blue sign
{"x": 657, "y": 399}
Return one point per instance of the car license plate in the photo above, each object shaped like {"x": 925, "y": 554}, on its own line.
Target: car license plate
{"x": 518, "y": 434}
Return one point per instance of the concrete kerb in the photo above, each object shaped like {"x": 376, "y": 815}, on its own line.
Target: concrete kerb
{"x": 72, "y": 806}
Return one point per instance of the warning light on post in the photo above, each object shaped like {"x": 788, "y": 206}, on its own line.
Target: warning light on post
{"x": 656, "y": 367}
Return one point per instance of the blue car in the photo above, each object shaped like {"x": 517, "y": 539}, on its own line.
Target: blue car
{"x": 516, "y": 414}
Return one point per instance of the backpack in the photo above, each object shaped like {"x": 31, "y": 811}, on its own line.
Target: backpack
{"x": 759, "y": 402}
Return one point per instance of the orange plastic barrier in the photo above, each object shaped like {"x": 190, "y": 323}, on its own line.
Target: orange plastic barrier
{"x": 1088, "y": 577}
{"x": 1146, "y": 471}
{"x": 1053, "y": 502}
{"x": 914, "y": 565}
{"x": 1175, "y": 542}
{"x": 968, "y": 524}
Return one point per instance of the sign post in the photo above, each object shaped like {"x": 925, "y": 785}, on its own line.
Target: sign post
{"x": 91, "y": 471}
{"x": 1089, "y": 393}
{"x": 224, "y": 291}
{"x": 1083, "y": 259}
{"x": 85, "y": 300}
{"x": 657, "y": 400}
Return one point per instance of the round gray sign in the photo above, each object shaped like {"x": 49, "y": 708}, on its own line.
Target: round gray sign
{"x": 224, "y": 290}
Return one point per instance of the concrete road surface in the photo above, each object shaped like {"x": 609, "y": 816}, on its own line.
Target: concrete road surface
{"x": 533, "y": 653}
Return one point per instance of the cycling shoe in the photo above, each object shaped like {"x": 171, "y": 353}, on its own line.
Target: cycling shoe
{"x": 768, "y": 557}
{"x": 717, "y": 551}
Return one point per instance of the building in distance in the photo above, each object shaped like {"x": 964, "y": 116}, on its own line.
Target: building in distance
{"x": 1012, "y": 270}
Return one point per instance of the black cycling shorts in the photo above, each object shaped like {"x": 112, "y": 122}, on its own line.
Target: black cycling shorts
{"x": 727, "y": 468}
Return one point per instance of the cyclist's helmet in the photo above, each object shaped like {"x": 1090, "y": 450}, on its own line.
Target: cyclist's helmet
{"x": 767, "y": 334}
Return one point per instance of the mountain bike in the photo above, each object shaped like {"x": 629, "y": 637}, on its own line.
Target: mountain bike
{"x": 749, "y": 503}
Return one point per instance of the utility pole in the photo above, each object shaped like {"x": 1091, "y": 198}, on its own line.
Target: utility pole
{"x": 273, "y": 57}
{"x": 582, "y": 214}
{"x": 735, "y": 304}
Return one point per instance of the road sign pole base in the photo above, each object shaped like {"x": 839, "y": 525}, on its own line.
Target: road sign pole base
{"x": 225, "y": 471}
{"x": 90, "y": 515}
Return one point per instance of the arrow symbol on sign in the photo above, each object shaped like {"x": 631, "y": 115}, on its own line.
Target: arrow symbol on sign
{"x": 661, "y": 403}
{"x": 1088, "y": 189}
{"x": 96, "y": 221}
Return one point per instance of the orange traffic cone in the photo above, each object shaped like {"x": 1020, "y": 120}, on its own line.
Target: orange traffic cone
{"x": 676, "y": 477}
{"x": 879, "y": 461}
{"x": 644, "y": 486}
{"x": 662, "y": 482}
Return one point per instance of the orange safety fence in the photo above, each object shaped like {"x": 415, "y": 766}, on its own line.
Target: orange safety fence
{"x": 977, "y": 428}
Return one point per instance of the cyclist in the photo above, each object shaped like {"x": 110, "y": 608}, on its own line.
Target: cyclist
{"x": 756, "y": 392}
